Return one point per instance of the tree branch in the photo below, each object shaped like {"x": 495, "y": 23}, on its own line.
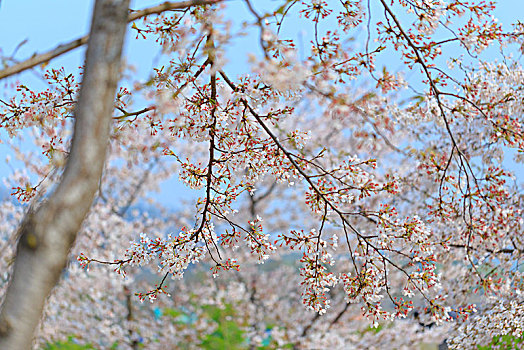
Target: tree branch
{"x": 47, "y": 234}
{"x": 37, "y": 59}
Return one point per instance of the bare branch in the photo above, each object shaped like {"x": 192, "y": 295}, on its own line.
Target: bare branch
{"x": 37, "y": 59}
{"x": 168, "y": 6}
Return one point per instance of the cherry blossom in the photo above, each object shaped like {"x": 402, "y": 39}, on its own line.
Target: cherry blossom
{"x": 387, "y": 202}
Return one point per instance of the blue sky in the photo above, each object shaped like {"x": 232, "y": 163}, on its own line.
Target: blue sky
{"x": 43, "y": 25}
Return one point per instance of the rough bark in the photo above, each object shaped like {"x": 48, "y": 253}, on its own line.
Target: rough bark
{"x": 47, "y": 233}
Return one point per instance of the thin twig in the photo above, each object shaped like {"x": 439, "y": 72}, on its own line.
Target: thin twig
{"x": 37, "y": 59}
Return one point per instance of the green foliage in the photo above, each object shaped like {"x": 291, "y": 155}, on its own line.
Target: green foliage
{"x": 228, "y": 334}
{"x": 68, "y": 345}
{"x": 504, "y": 342}
{"x": 372, "y": 329}
{"x": 172, "y": 312}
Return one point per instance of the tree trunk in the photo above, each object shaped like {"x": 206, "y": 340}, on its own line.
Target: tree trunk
{"x": 47, "y": 233}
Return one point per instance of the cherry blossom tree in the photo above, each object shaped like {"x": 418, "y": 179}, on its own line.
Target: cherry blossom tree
{"x": 381, "y": 200}
{"x": 46, "y": 233}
